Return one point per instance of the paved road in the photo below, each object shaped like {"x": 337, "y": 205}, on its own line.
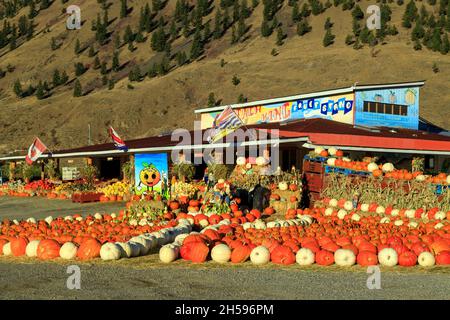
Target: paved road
{"x": 37, "y": 207}
{"x": 112, "y": 281}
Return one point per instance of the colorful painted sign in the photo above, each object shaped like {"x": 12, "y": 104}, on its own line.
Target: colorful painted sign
{"x": 151, "y": 173}
{"x": 337, "y": 108}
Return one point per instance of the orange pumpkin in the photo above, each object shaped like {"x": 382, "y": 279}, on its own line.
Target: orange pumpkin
{"x": 324, "y": 258}
{"x": 18, "y": 246}
{"x": 282, "y": 255}
{"x": 48, "y": 249}
{"x": 377, "y": 173}
{"x": 195, "y": 251}
{"x": 89, "y": 249}
{"x": 367, "y": 258}
{"x": 240, "y": 254}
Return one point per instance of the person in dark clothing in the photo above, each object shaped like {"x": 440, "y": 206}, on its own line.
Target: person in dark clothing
{"x": 260, "y": 197}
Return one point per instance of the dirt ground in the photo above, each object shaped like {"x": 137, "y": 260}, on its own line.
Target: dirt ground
{"x": 147, "y": 278}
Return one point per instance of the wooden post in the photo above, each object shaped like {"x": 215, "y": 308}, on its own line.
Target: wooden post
{"x": 12, "y": 166}
{"x": 42, "y": 170}
{"x": 89, "y": 161}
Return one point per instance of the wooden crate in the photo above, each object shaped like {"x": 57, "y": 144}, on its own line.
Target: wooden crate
{"x": 86, "y": 197}
{"x": 313, "y": 166}
{"x": 314, "y": 181}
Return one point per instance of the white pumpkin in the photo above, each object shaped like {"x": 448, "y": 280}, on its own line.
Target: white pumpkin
{"x": 203, "y": 223}
{"x": 448, "y": 179}
{"x": 421, "y": 177}
{"x": 438, "y": 226}
{"x": 410, "y": 213}
{"x": 113, "y": 215}
{"x": 331, "y": 162}
{"x": 328, "y": 212}
{"x": 356, "y": 217}
{"x": 426, "y": 259}
{"x": 333, "y": 202}
{"x": 133, "y": 222}
{"x": 398, "y": 222}
{"x": 395, "y": 212}
{"x": 7, "y": 249}
{"x": 318, "y": 150}
{"x": 180, "y": 238}
{"x": 259, "y": 224}
{"x": 261, "y": 161}
{"x": 49, "y": 219}
{"x": 110, "y": 251}
{"x": 283, "y": 186}
{"x": 247, "y": 225}
{"x": 305, "y": 257}
{"x": 365, "y": 207}
{"x": 68, "y": 251}
{"x": 346, "y": 159}
{"x": 372, "y": 166}
{"x": 146, "y": 244}
{"x": 125, "y": 249}
{"x": 380, "y": 210}
{"x": 332, "y": 151}
{"x": 68, "y": 218}
{"x": 341, "y": 214}
{"x": 388, "y": 167}
{"x": 221, "y": 253}
{"x": 168, "y": 253}
{"x": 260, "y": 255}
{"x": 98, "y": 216}
{"x": 413, "y": 225}
{"x": 31, "y": 220}
{"x": 135, "y": 248}
{"x": 440, "y": 215}
{"x": 344, "y": 257}
{"x": 348, "y": 205}
{"x": 31, "y": 249}
{"x": 240, "y": 161}
{"x": 385, "y": 220}
{"x": 221, "y": 181}
{"x": 388, "y": 257}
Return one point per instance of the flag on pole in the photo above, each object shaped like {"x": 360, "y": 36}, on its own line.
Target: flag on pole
{"x": 35, "y": 151}
{"x": 118, "y": 142}
{"x": 224, "y": 123}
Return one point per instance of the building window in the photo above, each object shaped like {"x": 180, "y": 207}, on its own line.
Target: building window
{"x": 385, "y": 108}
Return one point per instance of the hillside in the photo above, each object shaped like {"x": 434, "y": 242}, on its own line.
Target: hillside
{"x": 159, "y": 104}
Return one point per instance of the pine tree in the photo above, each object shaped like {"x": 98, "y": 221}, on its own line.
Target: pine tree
{"x": 357, "y": 13}
{"x": 30, "y": 31}
{"x": 77, "y": 47}
{"x": 306, "y": 12}
{"x": 40, "y": 93}
{"x": 158, "y": 42}
{"x": 45, "y": 4}
{"x": 445, "y": 45}
{"x": 218, "y": 31}
{"x": 364, "y": 35}
{"x": 77, "y": 89}
{"x": 115, "y": 62}
{"x": 266, "y": 30}
{"x": 152, "y": 71}
{"x": 303, "y": 27}
{"x": 97, "y": 63}
{"x": 91, "y": 52}
{"x": 33, "y": 12}
{"x": 181, "y": 58}
{"x": 18, "y": 88}
{"x": 117, "y": 42}
{"x": 123, "y": 9}
{"x": 242, "y": 28}
{"x": 410, "y": 14}
{"x": 13, "y": 39}
{"x": 295, "y": 13}
{"x": 245, "y": 11}
{"x": 173, "y": 31}
{"x": 211, "y": 100}
{"x": 197, "y": 46}
{"x": 56, "y": 78}
{"x": 436, "y": 40}
{"x": 206, "y": 32}
{"x": 64, "y": 78}
{"x": 328, "y": 24}
{"x": 79, "y": 69}
{"x": 128, "y": 36}
{"x": 328, "y": 39}
{"x": 418, "y": 32}
{"x": 135, "y": 74}
{"x": 280, "y": 36}
{"x": 349, "y": 40}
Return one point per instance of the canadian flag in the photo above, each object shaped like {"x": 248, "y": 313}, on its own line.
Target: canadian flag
{"x": 35, "y": 151}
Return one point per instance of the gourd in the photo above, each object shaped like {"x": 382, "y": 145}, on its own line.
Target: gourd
{"x": 7, "y": 249}
{"x": 125, "y": 249}
{"x": 341, "y": 214}
{"x": 261, "y": 161}
{"x": 348, "y": 205}
{"x": 48, "y": 249}
{"x": 344, "y": 257}
{"x": 68, "y": 251}
{"x": 426, "y": 259}
{"x": 305, "y": 257}
{"x": 365, "y": 207}
{"x": 110, "y": 251}
{"x": 380, "y": 210}
{"x": 18, "y": 246}
{"x": 260, "y": 255}
{"x": 372, "y": 166}
{"x": 356, "y": 217}
{"x": 332, "y": 151}
{"x": 240, "y": 161}
{"x": 388, "y": 257}
{"x": 221, "y": 253}
{"x": 333, "y": 202}
{"x": 283, "y": 186}
{"x": 31, "y": 250}
{"x": 169, "y": 253}
{"x": 388, "y": 167}
{"x": 331, "y": 162}
{"x": 328, "y": 212}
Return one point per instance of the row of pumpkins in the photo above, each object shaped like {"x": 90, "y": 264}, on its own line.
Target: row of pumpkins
{"x": 90, "y": 248}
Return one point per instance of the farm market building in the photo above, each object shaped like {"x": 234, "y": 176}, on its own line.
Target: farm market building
{"x": 362, "y": 120}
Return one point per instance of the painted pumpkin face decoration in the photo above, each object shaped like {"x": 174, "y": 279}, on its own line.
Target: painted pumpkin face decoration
{"x": 149, "y": 176}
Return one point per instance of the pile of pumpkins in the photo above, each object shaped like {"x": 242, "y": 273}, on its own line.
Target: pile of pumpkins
{"x": 91, "y": 248}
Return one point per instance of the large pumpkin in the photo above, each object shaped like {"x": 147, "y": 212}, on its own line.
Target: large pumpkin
{"x": 2, "y": 243}
{"x": 221, "y": 253}
{"x": 89, "y": 249}
{"x": 443, "y": 258}
{"x": 436, "y": 246}
{"x": 367, "y": 258}
{"x": 110, "y": 251}
{"x": 194, "y": 251}
{"x": 324, "y": 258}
{"x": 212, "y": 234}
{"x": 31, "y": 250}
{"x": 282, "y": 255}
{"x": 48, "y": 249}
{"x": 426, "y": 259}
{"x": 240, "y": 254}
{"x": 344, "y": 257}
{"x": 388, "y": 257}
{"x": 407, "y": 259}
{"x": 18, "y": 246}
{"x": 260, "y": 255}
{"x": 68, "y": 251}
